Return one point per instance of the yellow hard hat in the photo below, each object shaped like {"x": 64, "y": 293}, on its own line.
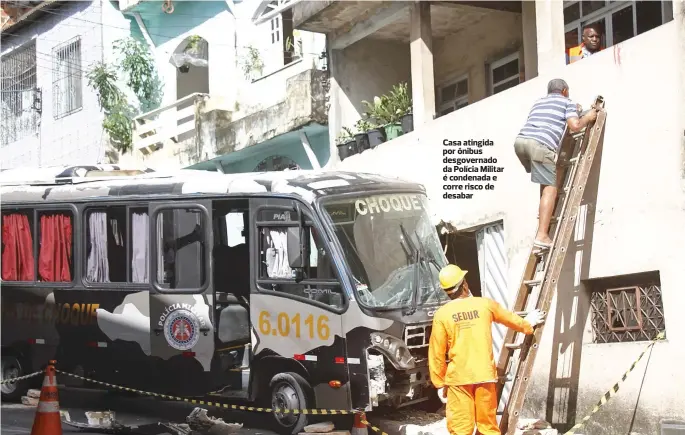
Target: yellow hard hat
{"x": 451, "y": 276}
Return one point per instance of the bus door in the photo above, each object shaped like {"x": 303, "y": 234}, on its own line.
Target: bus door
{"x": 297, "y": 301}
{"x": 180, "y": 310}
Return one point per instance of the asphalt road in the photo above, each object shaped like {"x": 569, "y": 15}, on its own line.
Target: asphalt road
{"x": 17, "y": 419}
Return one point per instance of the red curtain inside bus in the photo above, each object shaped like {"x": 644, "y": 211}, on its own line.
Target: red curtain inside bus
{"x": 17, "y": 249}
{"x": 54, "y": 260}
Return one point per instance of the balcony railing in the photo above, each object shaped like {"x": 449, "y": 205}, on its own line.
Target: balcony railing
{"x": 152, "y": 129}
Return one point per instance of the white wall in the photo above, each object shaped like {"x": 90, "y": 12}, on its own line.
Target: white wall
{"x": 78, "y": 137}
{"x": 635, "y": 206}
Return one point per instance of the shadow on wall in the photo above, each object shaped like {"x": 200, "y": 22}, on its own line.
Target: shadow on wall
{"x": 567, "y": 342}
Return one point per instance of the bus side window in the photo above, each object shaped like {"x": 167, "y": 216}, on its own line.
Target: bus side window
{"x": 18, "y": 259}
{"x": 106, "y": 244}
{"x": 274, "y": 266}
{"x": 181, "y": 245}
{"x": 55, "y": 246}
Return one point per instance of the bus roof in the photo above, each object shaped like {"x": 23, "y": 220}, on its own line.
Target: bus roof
{"x": 77, "y": 184}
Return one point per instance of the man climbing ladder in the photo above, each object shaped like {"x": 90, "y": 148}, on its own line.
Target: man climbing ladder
{"x": 544, "y": 265}
{"x": 538, "y": 142}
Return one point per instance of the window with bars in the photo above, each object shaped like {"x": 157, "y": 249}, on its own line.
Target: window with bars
{"x": 453, "y": 95}
{"x": 505, "y": 73}
{"x": 67, "y": 90}
{"x": 617, "y": 21}
{"x": 627, "y": 308}
{"x": 19, "y": 97}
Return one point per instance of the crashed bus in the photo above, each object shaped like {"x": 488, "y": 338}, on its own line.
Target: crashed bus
{"x": 295, "y": 289}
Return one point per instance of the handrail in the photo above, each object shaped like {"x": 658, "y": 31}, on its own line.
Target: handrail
{"x": 174, "y": 104}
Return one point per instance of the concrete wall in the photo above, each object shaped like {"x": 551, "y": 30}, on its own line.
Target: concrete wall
{"x": 357, "y": 69}
{"x": 468, "y": 51}
{"x": 78, "y": 137}
{"x": 363, "y": 70}
{"x": 633, "y": 220}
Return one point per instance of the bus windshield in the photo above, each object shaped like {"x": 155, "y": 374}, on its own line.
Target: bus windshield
{"x": 391, "y": 247}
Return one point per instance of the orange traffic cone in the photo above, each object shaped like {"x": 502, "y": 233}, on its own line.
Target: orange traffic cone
{"x": 359, "y": 428}
{"x": 47, "y": 420}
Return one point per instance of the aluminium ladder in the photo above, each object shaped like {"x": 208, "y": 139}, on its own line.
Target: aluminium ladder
{"x": 543, "y": 269}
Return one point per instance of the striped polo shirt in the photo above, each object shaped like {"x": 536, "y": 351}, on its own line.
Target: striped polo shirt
{"x": 547, "y": 120}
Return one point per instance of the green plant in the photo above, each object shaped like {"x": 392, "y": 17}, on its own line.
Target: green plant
{"x": 193, "y": 43}
{"x": 363, "y": 126}
{"x": 141, "y": 78}
{"x": 252, "y": 62}
{"x": 345, "y": 135}
{"x": 380, "y": 111}
{"x": 400, "y": 100}
{"x": 102, "y": 78}
{"x": 139, "y": 66}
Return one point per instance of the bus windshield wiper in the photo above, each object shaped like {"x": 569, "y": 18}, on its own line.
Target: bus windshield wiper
{"x": 417, "y": 273}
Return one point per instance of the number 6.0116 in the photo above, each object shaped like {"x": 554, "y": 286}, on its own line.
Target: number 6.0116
{"x": 285, "y": 326}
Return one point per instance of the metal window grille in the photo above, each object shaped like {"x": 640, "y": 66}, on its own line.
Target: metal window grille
{"x": 67, "y": 90}
{"x": 627, "y": 314}
{"x": 20, "y": 117}
{"x": 606, "y": 14}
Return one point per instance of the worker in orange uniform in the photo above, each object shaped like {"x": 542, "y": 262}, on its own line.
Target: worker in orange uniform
{"x": 462, "y": 330}
{"x": 592, "y": 44}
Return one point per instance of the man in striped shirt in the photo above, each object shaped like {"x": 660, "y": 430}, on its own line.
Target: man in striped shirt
{"x": 537, "y": 144}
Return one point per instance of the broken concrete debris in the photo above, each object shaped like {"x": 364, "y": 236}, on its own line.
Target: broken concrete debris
{"x": 534, "y": 426}
{"x": 325, "y": 427}
{"x": 201, "y": 424}
{"x": 31, "y": 398}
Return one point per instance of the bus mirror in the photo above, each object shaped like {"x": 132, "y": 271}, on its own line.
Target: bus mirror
{"x": 295, "y": 257}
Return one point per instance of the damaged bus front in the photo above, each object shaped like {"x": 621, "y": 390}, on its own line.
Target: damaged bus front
{"x": 393, "y": 255}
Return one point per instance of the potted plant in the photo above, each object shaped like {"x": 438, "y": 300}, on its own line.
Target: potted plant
{"x": 378, "y": 111}
{"x": 347, "y": 145}
{"x": 361, "y": 137}
{"x": 402, "y": 106}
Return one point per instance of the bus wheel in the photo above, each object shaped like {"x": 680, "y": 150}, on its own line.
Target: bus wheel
{"x": 290, "y": 391}
{"x": 11, "y": 368}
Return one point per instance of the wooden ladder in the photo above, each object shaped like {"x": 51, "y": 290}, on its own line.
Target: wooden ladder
{"x": 517, "y": 357}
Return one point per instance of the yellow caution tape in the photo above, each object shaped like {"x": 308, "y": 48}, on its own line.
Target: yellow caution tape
{"x": 614, "y": 390}
{"x": 20, "y": 378}
{"x": 230, "y": 406}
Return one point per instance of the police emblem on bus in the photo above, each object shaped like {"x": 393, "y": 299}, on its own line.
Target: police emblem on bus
{"x": 181, "y": 329}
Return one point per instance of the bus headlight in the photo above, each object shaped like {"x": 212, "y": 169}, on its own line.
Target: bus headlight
{"x": 394, "y": 350}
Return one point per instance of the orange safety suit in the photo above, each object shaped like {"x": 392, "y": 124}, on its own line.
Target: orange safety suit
{"x": 576, "y": 53}
{"x": 462, "y": 329}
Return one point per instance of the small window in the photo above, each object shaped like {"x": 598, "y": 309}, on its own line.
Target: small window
{"x": 626, "y": 308}
{"x": 106, "y": 245}
{"x": 275, "y": 29}
{"x": 139, "y": 240}
{"x": 18, "y": 261}
{"x": 505, "y": 73}
{"x": 56, "y": 246}
{"x": 320, "y": 283}
{"x": 67, "y": 92}
{"x": 453, "y": 96}
{"x": 181, "y": 248}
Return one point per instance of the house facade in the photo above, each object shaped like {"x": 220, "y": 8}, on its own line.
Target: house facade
{"x": 48, "y": 114}
{"x": 232, "y": 86}
{"x": 242, "y": 88}
{"x": 474, "y": 70}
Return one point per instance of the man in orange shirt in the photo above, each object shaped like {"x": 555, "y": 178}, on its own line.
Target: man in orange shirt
{"x": 462, "y": 330}
{"x": 592, "y": 43}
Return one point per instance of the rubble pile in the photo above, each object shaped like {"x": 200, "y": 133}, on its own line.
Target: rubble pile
{"x": 534, "y": 426}
{"x": 323, "y": 428}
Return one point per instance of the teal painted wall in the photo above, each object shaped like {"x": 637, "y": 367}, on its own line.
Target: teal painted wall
{"x": 163, "y": 27}
{"x": 290, "y": 147}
